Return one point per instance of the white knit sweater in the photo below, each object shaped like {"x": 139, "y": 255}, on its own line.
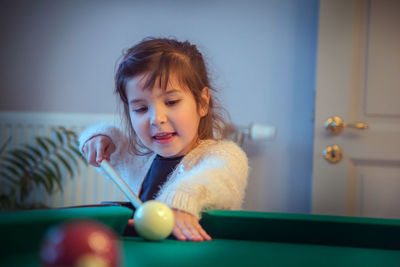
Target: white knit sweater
{"x": 211, "y": 176}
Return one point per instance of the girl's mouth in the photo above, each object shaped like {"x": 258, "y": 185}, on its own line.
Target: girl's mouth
{"x": 163, "y": 138}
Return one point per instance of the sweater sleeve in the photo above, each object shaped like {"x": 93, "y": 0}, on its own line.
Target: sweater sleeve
{"x": 217, "y": 181}
{"x": 131, "y": 167}
{"x": 109, "y": 129}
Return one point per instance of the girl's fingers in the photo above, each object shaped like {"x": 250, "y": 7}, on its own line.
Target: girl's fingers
{"x": 204, "y": 234}
{"x": 105, "y": 147}
{"x": 110, "y": 148}
{"x": 99, "y": 152}
{"x": 178, "y": 233}
{"x": 188, "y": 233}
{"x": 180, "y": 225}
{"x": 196, "y": 236}
{"x": 186, "y": 224}
{"x": 98, "y": 148}
{"x": 91, "y": 156}
{"x": 187, "y": 227}
{"x": 200, "y": 231}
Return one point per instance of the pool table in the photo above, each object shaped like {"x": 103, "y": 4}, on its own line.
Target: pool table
{"x": 240, "y": 238}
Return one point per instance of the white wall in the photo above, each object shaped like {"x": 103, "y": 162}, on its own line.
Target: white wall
{"x": 60, "y": 56}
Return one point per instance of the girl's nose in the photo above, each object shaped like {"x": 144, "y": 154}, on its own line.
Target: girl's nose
{"x": 158, "y": 117}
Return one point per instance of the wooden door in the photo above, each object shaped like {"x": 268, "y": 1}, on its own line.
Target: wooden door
{"x": 358, "y": 79}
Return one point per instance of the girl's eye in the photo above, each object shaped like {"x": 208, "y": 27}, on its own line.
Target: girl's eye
{"x": 140, "y": 110}
{"x": 172, "y": 102}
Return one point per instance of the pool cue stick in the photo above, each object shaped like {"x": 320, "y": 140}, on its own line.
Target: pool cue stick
{"x": 123, "y": 186}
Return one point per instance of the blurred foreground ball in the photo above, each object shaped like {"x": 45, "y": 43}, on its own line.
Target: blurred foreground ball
{"x": 154, "y": 220}
{"x": 80, "y": 243}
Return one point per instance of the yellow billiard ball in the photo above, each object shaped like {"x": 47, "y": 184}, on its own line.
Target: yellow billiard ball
{"x": 154, "y": 220}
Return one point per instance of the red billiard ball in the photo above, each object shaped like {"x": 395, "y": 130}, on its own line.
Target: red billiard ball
{"x": 80, "y": 243}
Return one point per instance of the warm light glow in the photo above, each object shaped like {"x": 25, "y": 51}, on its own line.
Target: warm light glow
{"x": 90, "y": 260}
{"x": 99, "y": 242}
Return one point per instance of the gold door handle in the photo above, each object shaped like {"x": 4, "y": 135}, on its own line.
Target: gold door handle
{"x": 333, "y": 154}
{"x": 335, "y": 125}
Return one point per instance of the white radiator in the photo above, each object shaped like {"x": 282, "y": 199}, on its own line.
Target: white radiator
{"x": 88, "y": 186}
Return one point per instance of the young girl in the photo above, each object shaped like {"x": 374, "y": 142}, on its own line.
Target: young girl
{"x": 172, "y": 152}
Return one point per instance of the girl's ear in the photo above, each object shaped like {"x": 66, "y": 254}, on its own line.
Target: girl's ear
{"x": 205, "y": 95}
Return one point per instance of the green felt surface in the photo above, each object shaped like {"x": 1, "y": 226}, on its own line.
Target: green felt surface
{"x": 240, "y": 238}
{"x": 303, "y": 228}
{"x": 24, "y": 230}
{"x": 225, "y": 252}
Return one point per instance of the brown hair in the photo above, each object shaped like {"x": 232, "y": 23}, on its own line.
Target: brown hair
{"x": 158, "y": 58}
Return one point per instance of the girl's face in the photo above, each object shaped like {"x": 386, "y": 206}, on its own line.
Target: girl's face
{"x": 166, "y": 121}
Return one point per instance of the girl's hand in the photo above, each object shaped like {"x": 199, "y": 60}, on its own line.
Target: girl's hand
{"x": 98, "y": 148}
{"x": 187, "y": 227}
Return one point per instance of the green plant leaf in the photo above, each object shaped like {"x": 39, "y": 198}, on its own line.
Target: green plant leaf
{"x": 39, "y": 180}
{"x": 59, "y": 136}
{"x": 34, "y": 151}
{"x": 25, "y": 154}
{"x": 49, "y": 141}
{"x": 23, "y": 189}
{"x": 78, "y": 153}
{"x": 9, "y": 178}
{"x": 71, "y": 135}
{"x": 74, "y": 149}
{"x": 42, "y": 144}
{"x": 58, "y": 176}
{"x": 10, "y": 169}
{"x": 61, "y": 128}
{"x": 50, "y": 175}
{"x": 70, "y": 155}
{"x": 39, "y": 164}
{"x": 21, "y": 157}
{"x": 65, "y": 163}
{"x": 39, "y": 176}
{"x": 14, "y": 162}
